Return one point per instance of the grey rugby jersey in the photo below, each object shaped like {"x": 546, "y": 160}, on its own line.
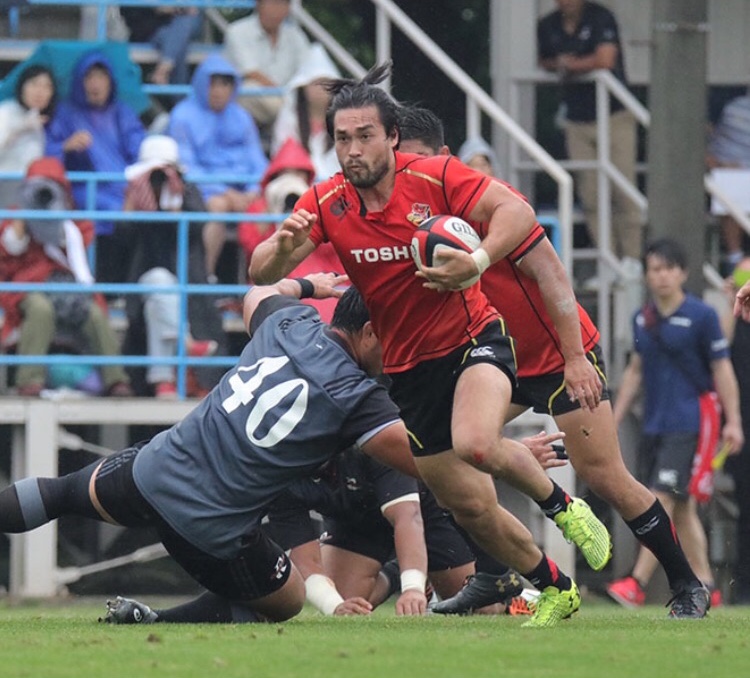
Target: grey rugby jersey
{"x": 295, "y": 398}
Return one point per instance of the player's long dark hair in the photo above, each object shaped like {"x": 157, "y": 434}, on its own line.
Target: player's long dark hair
{"x": 350, "y": 314}
{"x": 350, "y": 93}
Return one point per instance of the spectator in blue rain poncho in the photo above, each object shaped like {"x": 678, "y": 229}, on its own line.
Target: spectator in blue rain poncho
{"x": 92, "y": 131}
{"x": 216, "y": 135}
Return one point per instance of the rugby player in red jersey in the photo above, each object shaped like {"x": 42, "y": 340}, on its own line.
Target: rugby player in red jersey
{"x": 451, "y": 363}
{"x": 590, "y": 434}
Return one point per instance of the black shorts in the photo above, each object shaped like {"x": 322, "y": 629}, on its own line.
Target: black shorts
{"x": 666, "y": 462}
{"x": 260, "y": 568}
{"x": 546, "y": 394}
{"x": 446, "y": 548}
{"x": 425, "y": 393}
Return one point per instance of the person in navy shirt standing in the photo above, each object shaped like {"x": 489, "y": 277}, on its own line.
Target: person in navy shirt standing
{"x": 682, "y": 361}
{"x": 579, "y": 38}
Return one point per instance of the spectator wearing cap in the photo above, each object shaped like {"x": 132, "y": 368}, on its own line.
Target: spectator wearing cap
{"x": 156, "y": 184}
{"x": 477, "y": 153}
{"x": 93, "y": 131}
{"x": 215, "y": 135}
{"x": 303, "y": 115}
{"x": 45, "y": 250}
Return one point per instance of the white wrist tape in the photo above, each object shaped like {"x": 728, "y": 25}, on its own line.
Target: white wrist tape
{"x": 481, "y": 259}
{"x": 413, "y": 579}
{"x": 321, "y": 593}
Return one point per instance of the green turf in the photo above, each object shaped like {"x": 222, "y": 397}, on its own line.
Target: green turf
{"x": 51, "y": 641}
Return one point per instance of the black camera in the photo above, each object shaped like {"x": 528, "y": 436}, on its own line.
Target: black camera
{"x": 40, "y": 193}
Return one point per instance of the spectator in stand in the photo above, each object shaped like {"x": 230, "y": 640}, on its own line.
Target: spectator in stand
{"x": 303, "y": 115}
{"x": 156, "y": 184}
{"x": 94, "y": 132}
{"x": 169, "y": 29}
{"x": 267, "y": 50}
{"x": 289, "y": 175}
{"x": 682, "y": 361}
{"x": 216, "y": 135}
{"x": 52, "y": 250}
{"x": 729, "y": 146}
{"x": 578, "y": 38}
{"x": 477, "y": 153}
{"x": 23, "y": 120}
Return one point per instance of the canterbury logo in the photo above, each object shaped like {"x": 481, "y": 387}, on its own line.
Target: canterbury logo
{"x": 482, "y": 352}
{"x": 650, "y": 525}
{"x": 280, "y": 569}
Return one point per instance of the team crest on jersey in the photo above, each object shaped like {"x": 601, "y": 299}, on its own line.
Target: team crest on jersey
{"x": 339, "y": 206}
{"x": 419, "y": 213}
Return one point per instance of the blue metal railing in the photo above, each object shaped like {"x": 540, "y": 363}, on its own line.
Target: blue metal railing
{"x": 103, "y": 5}
{"x": 182, "y": 288}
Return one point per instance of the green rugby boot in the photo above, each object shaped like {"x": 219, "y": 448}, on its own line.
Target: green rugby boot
{"x": 581, "y": 527}
{"x": 553, "y": 606}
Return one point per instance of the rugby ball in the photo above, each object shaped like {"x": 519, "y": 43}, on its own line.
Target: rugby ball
{"x": 437, "y": 234}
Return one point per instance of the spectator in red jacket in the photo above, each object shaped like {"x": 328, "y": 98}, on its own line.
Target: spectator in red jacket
{"x": 42, "y": 250}
{"x": 289, "y": 175}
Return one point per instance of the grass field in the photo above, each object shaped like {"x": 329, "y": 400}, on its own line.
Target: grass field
{"x": 51, "y": 641}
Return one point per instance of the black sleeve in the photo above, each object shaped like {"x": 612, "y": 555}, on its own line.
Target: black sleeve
{"x": 389, "y": 483}
{"x": 268, "y": 306}
{"x": 289, "y": 523}
{"x": 544, "y": 43}
{"x": 374, "y": 410}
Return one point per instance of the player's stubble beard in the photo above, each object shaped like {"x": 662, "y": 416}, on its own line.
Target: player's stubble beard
{"x": 366, "y": 177}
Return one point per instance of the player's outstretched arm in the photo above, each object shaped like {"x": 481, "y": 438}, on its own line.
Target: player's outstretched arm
{"x": 411, "y": 553}
{"x": 318, "y": 286}
{"x": 320, "y": 590}
{"x": 284, "y": 250}
{"x": 390, "y": 446}
{"x": 546, "y": 448}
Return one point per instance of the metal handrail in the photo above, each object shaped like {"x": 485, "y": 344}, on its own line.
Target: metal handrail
{"x": 479, "y": 100}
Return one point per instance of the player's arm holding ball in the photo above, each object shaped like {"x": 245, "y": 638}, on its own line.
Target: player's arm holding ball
{"x": 510, "y": 219}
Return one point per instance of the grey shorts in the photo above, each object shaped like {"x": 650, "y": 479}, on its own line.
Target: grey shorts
{"x": 667, "y": 462}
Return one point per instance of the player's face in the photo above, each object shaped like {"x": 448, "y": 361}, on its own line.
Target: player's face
{"x": 664, "y": 280}
{"x": 364, "y": 150}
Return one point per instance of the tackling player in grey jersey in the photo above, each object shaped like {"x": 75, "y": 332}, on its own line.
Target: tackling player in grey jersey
{"x": 300, "y": 392}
